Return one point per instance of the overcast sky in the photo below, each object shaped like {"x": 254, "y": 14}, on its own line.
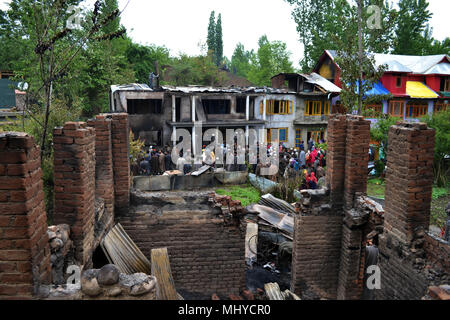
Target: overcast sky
{"x": 181, "y": 25}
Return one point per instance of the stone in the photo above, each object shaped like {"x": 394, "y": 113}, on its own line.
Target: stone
{"x": 89, "y": 284}
{"x": 113, "y": 291}
{"x": 108, "y": 275}
{"x": 137, "y": 284}
{"x": 56, "y": 244}
{"x": 51, "y": 235}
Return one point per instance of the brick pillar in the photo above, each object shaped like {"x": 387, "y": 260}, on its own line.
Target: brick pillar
{"x": 121, "y": 161}
{"x": 409, "y": 179}
{"x": 104, "y": 177}
{"x": 316, "y": 247}
{"x": 74, "y": 179}
{"x": 337, "y": 131}
{"x": 356, "y": 158}
{"x": 24, "y": 250}
{"x": 351, "y": 271}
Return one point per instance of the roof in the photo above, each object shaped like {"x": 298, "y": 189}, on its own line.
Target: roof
{"x": 416, "y": 89}
{"x": 199, "y": 89}
{"x": 314, "y": 78}
{"x": 433, "y": 64}
{"x": 378, "y": 89}
{"x": 317, "y": 79}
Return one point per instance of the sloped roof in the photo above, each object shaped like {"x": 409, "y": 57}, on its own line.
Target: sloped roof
{"x": 416, "y": 89}
{"x": 377, "y": 90}
{"x": 411, "y": 64}
{"x": 317, "y": 79}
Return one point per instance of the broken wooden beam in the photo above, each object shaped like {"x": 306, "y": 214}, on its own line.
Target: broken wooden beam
{"x": 161, "y": 270}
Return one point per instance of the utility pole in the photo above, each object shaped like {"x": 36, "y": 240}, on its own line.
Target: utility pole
{"x": 360, "y": 59}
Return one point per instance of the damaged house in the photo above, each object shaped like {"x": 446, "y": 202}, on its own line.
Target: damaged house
{"x": 297, "y": 110}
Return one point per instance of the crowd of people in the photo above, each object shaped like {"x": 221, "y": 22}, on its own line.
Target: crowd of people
{"x": 307, "y": 161}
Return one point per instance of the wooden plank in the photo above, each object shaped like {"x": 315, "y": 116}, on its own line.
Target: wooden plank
{"x": 251, "y": 241}
{"x": 273, "y": 291}
{"x": 161, "y": 270}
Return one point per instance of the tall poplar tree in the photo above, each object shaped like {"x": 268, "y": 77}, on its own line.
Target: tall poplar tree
{"x": 219, "y": 41}
{"x": 211, "y": 38}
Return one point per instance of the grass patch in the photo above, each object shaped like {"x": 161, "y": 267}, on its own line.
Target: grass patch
{"x": 440, "y": 198}
{"x": 245, "y": 193}
{"x": 376, "y": 188}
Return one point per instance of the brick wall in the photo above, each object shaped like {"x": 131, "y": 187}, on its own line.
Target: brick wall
{"x": 356, "y": 158}
{"x": 104, "y": 176}
{"x": 206, "y": 251}
{"x": 74, "y": 180}
{"x": 24, "y": 250}
{"x": 409, "y": 179}
{"x": 335, "y": 176}
{"x": 316, "y": 247}
{"x": 121, "y": 161}
{"x": 406, "y": 267}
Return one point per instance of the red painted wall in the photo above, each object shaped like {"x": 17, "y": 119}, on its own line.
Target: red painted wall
{"x": 389, "y": 82}
{"x": 434, "y": 82}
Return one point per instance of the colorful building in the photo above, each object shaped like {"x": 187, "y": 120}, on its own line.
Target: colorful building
{"x": 418, "y": 85}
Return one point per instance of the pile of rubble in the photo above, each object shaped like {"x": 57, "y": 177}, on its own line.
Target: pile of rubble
{"x": 60, "y": 247}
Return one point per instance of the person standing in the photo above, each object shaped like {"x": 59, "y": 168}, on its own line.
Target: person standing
{"x": 154, "y": 162}
{"x": 162, "y": 162}
{"x": 302, "y": 157}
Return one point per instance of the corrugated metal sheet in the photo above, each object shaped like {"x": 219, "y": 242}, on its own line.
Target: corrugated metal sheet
{"x": 317, "y": 79}
{"x": 123, "y": 252}
{"x": 414, "y": 64}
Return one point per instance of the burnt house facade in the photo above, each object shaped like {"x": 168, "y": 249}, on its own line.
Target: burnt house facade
{"x": 291, "y": 110}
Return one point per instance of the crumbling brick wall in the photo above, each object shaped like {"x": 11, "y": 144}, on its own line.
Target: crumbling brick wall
{"x": 407, "y": 269}
{"x": 104, "y": 175}
{"x": 337, "y": 134}
{"x": 121, "y": 161}
{"x": 24, "y": 250}
{"x": 366, "y": 217}
{"x": 206, "y": 250}
{"x": 316, "y": 247}
{"x": 74, "y": 180}
{"x": 356, "y": 158}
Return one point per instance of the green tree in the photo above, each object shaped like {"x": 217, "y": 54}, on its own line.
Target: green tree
{"x": 321, "y": 23}
{"x": 143, "y": 58}
{"x": 379, "y": 131}
{"x": 359, "y": 72}
{"x": 270, "y": 59}
{"x": 211, "y": 38}
{"x": 440, "y": 121}
{"x": 240, "y": 61}
{"x": 412, "y": 19}
{"x": 219, "y": 41}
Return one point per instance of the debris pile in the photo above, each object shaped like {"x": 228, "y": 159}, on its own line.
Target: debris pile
{"x": 109, "y": 282}
{"x": 60, "y": 246}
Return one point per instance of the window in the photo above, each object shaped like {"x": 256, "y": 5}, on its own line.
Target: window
{"x": 298, "y": 138}
{"x": 415, "y": 110}
{"x": 441, "y": 106}
{"x": 316, "y": 136}
{"x": 396, "y": 108}
{"x": 241, "y": 105}
{"x": 218, "y": 106}
{"x": 314, "y": 108}
{"x": 326, "y": 107}
{"x": 283, "y": 134}
{"x": 373, "y": 109}
{"x": 144, "y": 106}
{"x": 276, "y": 107}
{"x": 398, "y": 82}
{"x": 447, "y": 84}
